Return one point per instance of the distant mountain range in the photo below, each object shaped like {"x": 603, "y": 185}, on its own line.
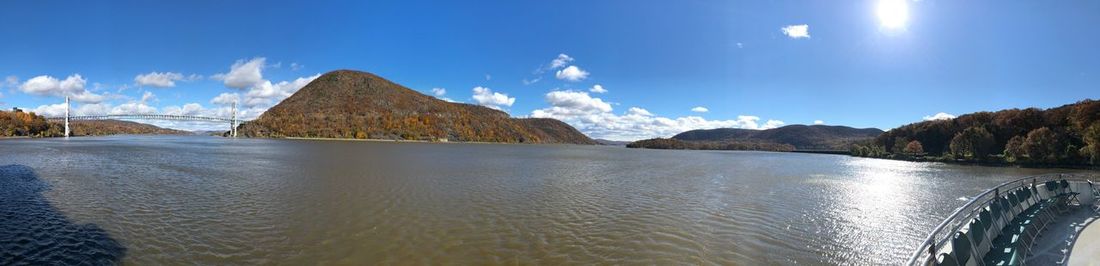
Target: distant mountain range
{"x": 612, "y": 142}
{"x": 355, "y": 104}
{"x": 787, "y": 138}
{"x": 803, "y": 137}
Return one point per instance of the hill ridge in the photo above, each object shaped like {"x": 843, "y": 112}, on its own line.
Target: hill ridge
{"x": 357, "y": 104}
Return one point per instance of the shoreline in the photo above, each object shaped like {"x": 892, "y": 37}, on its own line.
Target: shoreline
{"x": 994, "y": 164}
{"x": 416, "y": 141}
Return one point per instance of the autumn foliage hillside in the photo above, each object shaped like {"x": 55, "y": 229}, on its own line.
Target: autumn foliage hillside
{"x": 355, "y": 104}
{"x": 1065, "y": 135}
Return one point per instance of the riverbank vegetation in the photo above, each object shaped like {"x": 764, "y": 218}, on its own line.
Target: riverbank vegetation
{"x": 1068, "y": 135}
{"x": 16, "y": 123}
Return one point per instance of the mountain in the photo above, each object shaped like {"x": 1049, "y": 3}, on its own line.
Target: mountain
{"x": 802, "y": 137}
{"x": 676, "y": 144}
{"x": 1067, "y": 135}
{"x": 607, "y": 142}
{"x": 355, "y": 104}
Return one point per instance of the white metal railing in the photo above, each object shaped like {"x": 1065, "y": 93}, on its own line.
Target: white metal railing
{"x": 961, "y": 217}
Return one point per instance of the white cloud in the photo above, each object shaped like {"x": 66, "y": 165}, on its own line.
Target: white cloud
{"x": 638, "y": 111}
{"x": 92, "y": 109}
{"x": 87, "y": 97}
{"x": 160, "y": 80}
{"x": 72, "y": 86}
{"x": 58, "y": 110}
{"x": 571, "y": 73}
{"x": 261, "y": 93}
{"x": 939, "y": 116}
{"x": 439, "y": 92}
{"x": 597, "y": 89}
{"x": 148, "y": 96}
{"x": 51, "y": 110}
{"x": 595, "y": 118}
{"x": 187, "y": 109}
{"x": 740, "y": 45}
{"x": 488, "y": 77}
{"x": 244, "y": 74}
{"x": 574, "y": 103}
{"x": 226, "y": 99}
{"x": 772, "y": 124}
{"x": 47, "y": 85}
{"x": 268, "y": 93}
{"x": 797, "y": 31}
{"x": 295, "y": 66}
{"x": 133, "y": 108}
{"x": 700, "y": 109}
{"x": 486, "y": 97}
{"x": 819, "y": 122}
{"x": 561, "y": 61}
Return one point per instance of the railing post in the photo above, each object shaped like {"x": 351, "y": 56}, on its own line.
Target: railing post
{"x": 932, "y": 249}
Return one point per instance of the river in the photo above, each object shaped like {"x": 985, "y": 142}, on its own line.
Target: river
{"x": 207, "y": 200}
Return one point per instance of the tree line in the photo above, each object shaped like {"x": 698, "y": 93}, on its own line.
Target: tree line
{"x": 675, "y": 144}
{"x": 1065, "y": 135}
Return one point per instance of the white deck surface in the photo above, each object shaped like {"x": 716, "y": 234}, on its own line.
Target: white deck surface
{"x": 1072, "y": 240}
{"x": 1086, "y": 250}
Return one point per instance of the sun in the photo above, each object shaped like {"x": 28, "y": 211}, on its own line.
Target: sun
{"x": 893, "y": 14}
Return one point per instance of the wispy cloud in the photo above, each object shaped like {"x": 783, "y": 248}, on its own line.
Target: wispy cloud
{"x": 163, "y": 80}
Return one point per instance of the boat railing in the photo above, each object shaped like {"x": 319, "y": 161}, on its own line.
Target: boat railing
{"x": 963, "y": 215}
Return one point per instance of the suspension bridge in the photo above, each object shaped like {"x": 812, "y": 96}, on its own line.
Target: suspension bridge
{"x": 231, "y": 120}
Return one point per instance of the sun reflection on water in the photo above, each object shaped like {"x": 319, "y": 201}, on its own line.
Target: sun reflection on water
{"x": 876, "y": 199}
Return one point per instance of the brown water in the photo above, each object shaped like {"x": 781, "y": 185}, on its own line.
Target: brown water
{"x": 168, "y": 200}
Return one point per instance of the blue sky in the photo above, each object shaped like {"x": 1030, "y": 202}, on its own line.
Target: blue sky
{"x": 839, "y": 62}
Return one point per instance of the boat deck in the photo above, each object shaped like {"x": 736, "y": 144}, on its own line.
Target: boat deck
{"x": 1072, "y": 240}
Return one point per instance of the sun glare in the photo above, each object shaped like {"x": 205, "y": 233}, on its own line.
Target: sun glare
{"x": 893, "y": 14}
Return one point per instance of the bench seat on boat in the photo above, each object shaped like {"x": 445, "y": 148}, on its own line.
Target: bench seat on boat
{"x": 1002, "y": 231}
{"x": 1015, "y": 240}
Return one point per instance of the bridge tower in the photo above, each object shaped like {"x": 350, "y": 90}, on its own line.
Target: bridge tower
{"x": 67, "y": 116}
{"x": 233, "y": 122}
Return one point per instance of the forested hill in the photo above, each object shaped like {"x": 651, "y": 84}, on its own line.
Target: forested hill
{"x": 788, "y": 138}
{"x": 1065, "y": 135}
{"x": 802, "y": 137}
{"x": 17, "y": 123}
{"x": 355, "y": 104}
